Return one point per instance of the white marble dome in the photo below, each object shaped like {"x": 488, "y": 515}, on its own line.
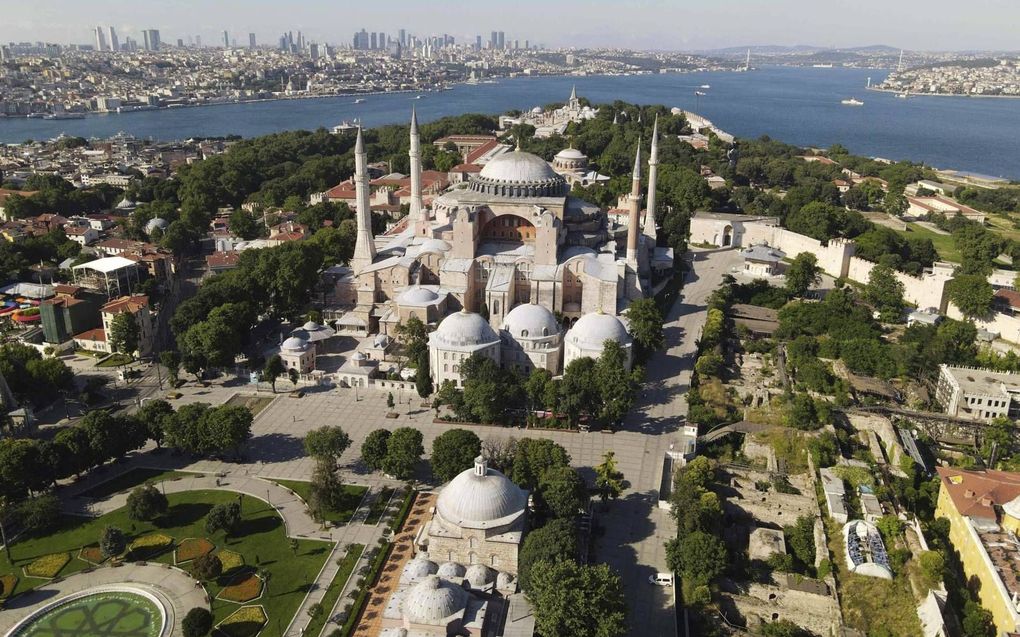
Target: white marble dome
{"x": 420, "y": 567}
{"x": 481, "y": 498}
{"x": 432, "y": 600}
{"x": 478, "y": 575}
{"x": 294, "y": 344}
{"x": 592, "y": 331}
{"x": 463, "y": 329}
{"x": 417, "y": 296}
{"x": 571, "y": 153}
{"x": 518, "y": 167}
{"x": 530, "y": 320}
{"x": 450, "y": 571}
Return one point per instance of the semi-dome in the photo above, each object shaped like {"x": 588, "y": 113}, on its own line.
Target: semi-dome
{"x": 530, "y": 320}
{"x": 463, "y": 330}
{"x": 419, "y": 567}
{"x": 417, "y": 296}
{"x": 479, "y": 575}
{"x": 592, "y": 331}
{"x": 481, "y": 498}
{"x": 295, "y": 344}
{"x": 519, "y": 174}
{"x": 434, "y": 245}
{"x": 450, "y": 570}
{"x": 432, "y": 600}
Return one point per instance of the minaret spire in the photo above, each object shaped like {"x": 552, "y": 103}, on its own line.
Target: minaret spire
{"x": 648, "y": 227}
{"x": 417, "y": 213}
{"x": 364, "y": 247}
{"x": 634, "y": 216}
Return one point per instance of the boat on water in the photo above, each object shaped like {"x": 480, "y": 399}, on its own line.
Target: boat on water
{"x": 706, "y": 86}
{"x": 822, "y": 66}
{"x": 417, "y": 97}
{"x": 65, "y": 116}
{"x": 35, "y": 115}
{"x": 343, "y": 127}
{"x": 903, "y": 95}
{"x": 360, "y": 100}
{"x": 853, "y": 101}
{"x": 700, "y": 93}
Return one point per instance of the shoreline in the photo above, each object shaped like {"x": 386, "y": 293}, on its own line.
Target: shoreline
{"x": 967, "y": 95}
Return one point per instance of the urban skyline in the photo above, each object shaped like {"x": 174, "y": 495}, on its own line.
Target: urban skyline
{"x": 657, "y": 25}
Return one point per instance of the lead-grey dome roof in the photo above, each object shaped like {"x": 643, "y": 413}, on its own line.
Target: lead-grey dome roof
{"x": 478, "y": 575}
{"x": 415, "y": 295}
{"x": 295, "y": 344}
{"x": 519, "y": 174}
{"x": 432, "y": 600}
{"x": 481, "y": 498}
{"x": 419, "y": 567}
{"x": 463, "y": 330}
{"x": 592, "y": 331}
{"x": 530, "y": 320}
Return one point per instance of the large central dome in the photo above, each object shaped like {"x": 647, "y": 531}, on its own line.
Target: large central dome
{"x": 481, "y": 498}
{"x": 519, "y": 174}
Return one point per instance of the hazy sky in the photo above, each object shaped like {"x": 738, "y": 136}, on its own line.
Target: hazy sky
{"x": 645, "y": 24}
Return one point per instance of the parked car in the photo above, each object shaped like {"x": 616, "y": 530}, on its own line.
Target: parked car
{"x": 661, "y": 579}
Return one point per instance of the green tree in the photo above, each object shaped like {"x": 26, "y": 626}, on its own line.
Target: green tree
{"x": 172, "y": 361}
{"x": 699, "y": 557}
{"x": 223, "y": 517}
{"x": 112, "y": 542}
{"x": 563, "y": 492}
{"x": 608, "y": 478}
{"x": 645, "y": 322}
{"x": 616, "y": 386}
{"x": 885, "y": 292}
{"x": 153, "y": 416}
{"x": 274, "y": 369}
{"x": 488, "y": 390}
{"x": 454, "y": 451}
{"x": 802, "y": 273}
{"x": 579, "y": 390}
{"x": 226, "y": 427}
{"x": 39, "y": 515}
{"x": 998, "y": 435}
{"x": 933, "y": 568}
{"x": 197, "y": 623}
{"x": 555, "y": 541}
{"x": 533, "y": 457}
{"x": 327, "y": 443}
{"x": 326, "y": 490}
{"x": 243, "y": 225}
{"x": 972, "y": 293}
{"x": 146, "y": 503}
{"x": 571, "y": 600}
{"x": 374, "y": 448}
{"x": 403, "y": 450}
{"x": 124, "y": 333}
{"x": 207, "y": 567}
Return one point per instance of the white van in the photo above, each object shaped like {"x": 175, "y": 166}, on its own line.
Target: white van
{"x": 661, "y": 579}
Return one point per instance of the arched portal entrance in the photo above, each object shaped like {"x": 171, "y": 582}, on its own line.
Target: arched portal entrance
{"x": 509, "y": 228}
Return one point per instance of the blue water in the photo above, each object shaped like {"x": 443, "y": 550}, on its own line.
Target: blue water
{"x": 795, "y": 105}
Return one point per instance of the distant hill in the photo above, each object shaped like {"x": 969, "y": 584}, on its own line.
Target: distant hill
{"x": 802, "y": 49}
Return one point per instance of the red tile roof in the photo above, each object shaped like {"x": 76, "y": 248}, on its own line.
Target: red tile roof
{"x": 976, "y": 493}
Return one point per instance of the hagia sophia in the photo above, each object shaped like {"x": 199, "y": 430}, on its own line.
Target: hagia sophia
{"x": 507, "y": 264}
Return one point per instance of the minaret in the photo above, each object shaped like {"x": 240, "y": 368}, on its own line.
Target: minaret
{"x": 634, "y": 219}
{"x": 364, "y": 247}
{"x": 417, "y": 213}
{"x": 648, "y": 228}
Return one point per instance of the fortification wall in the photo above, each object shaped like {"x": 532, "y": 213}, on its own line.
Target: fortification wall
{"x": 927, "y": 290}
{"x": 1006, "y": 326}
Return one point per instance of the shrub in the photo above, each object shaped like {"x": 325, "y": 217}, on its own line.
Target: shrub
{"x": 112, "y": 542}
{"x": 223, "y": 517}
{"x": 146, "y": 503}
{"x": 197, "y": 623}
{"x": 48, "y": 566}
{"x": 207, "y": 567}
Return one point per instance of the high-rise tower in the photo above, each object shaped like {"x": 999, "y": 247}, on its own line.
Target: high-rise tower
{"x": 364, "y": 247}
{"x": 648, "y": 227}
{"x": 114, "y": 41}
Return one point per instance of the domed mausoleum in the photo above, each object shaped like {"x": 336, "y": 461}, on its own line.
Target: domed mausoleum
{"x": 460, "y": 335}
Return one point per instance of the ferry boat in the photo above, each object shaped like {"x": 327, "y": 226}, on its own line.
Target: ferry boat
{"x": 343, "y": 127}
{"x": 904, "y": 95}
{"x": 65, "y": 116}
{"x": 706, "y": 86}
{"x": 822, "y": 66}
{"x": 700, "y": 93}
{"x": 853, "y": 101}
{"x": 417, "y": 97}
{"x": 359, "y": 101}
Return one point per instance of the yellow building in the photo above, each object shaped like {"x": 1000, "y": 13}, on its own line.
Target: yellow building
{"x": 983, "y": 509}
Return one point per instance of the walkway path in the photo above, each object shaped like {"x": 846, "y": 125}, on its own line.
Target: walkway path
{"x": 177, "y": 590}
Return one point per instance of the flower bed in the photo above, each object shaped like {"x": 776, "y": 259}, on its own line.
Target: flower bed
{"x": 242, "y": 588}
{"x": 246, "y": 621}
{"x": 149, "y": 546}
{"x": 192, "y": 548}
{"x": 230, "y": 560}
{"x": 8, "y": 583}
{"x": 91, "y": 554}
{"x": 48, "y": 566}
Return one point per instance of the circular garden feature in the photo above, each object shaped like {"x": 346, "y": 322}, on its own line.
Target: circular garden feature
{"x": 113, "y": 613}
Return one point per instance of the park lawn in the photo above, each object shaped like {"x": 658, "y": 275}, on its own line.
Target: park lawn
{"x": 262, "y": 536}
{"x": 1003, "y": 227}
{"x": 254, "y": 404}
{"x": 131, "y": 479}
{"x": 347, "y": 564}
{"x": 375, "y": 512}
{"x": 115, "y": 360}
{"x": 944, "y": 244}
{"x": 353, "y": 495}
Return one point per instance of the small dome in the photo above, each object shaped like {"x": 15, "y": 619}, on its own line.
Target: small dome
{"x": 415, "y": 295}
{"x": 518, "y": 167}
{"x": 295, "y": 344}
{"x": 463, "y": 329}
{"x": 478, "y": 575}
{"x": 592, "y": 331}
{"x": 481, "y": 498}
{"x": 537, "y": 109}
{"x": 571, "y": 153}
{"x": 125, "y": 203}
{"x": 504, "y": 580}
{"x": 530, "y": 320}
{"x": 381, "y": 341}
{"x": 432, "y": 600}
{"x": 420, "y": 567}
{"x": 434, "y": 245}
{"x": 310, "y": 326}
{"x": 450, "y": 571}
{"x": 156, "y": 223}
{"x": 358, "y": 356}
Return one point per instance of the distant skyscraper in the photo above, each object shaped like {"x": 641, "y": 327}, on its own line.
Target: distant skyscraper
{"x": 251, "y": 40}
{"x": 403, "y": 37}
{"x": 198, "y": 41}
{"x": 300, "y": 41}
{"x": 114, "y": 42}
{"x": 493, "y": 40}
{"x": 313, "y": 50}
{"x": 180, "y": 43}
{"x": 517, "y": 44}
{"x": 226, "y": 39}
{"x": 501, "y": 43}
{"x": 527, "y": 45}
{"x": 478, "y": 43}
{"x": 374, "y": 40}
{"x": 100, "y": 39}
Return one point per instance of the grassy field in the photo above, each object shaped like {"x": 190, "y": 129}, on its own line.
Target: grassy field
{"x": 347, "y": 564}
{"x": 261, "y": 540}
{"x": 353, "y": 494}
{"x": 944, "y": 243}
{"x": 131, "y": 479}
{"x": 255, "y": 404}
{"x": 115, "y": 360}
{"x": 378, "y": 507}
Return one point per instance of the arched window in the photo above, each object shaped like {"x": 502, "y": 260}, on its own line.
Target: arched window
{"x": 524, "y": 333}
{"x": 495, "y": 307}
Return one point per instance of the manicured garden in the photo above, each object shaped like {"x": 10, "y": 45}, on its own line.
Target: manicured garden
{"x": 115, "y": 360}
{"x": 131, "y": 479}
{"x": 347, "y": 564}
{"x": 258, "y": 546}
{"x": 353, "y": 495}
{"x": 375, "y": 512}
